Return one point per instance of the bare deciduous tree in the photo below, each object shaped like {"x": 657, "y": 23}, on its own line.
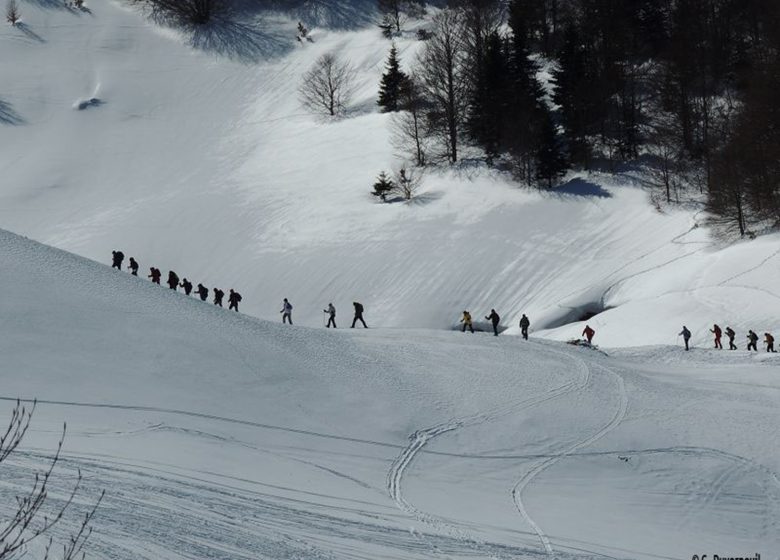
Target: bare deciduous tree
{"x": 407, "y": 181}
{"x": 328, "y": 86}
{"x": 409, "y": 136}
{"x": 34, "y": 518}
{"x": 12, "y": 14}
{"x": 443, "y": 78}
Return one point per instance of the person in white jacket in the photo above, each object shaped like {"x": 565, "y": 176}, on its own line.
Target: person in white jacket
{"x": 331, "y": 311}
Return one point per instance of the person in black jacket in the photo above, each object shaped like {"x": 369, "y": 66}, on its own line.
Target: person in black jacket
{"x": 218, "y": 295}
{"x": 358, "y": 315}
{"x": 731, "y": 334}
{"x": 494, "y": 319}
{"x": 524, "y": 324}
{"x": 203, "y": 292}
{"x": 233, "y": 300}
{"x": 155, "y": 274}
{"x": 133, "y": 267}
{"x": 187, "y": 285}
{"x": 118, "y": 257}
{"x": 173, "y": 280}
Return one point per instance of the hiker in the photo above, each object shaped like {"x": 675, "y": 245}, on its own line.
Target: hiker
{"x": 233, "y": 300}
{"x": 331, "y": 311}
{"x": 731, "y": 334}
{"x": 118, "y": 257}
{"x": 286, "y": 311}
{"x": 218, "y": 295}
{"x": 173, "y": 280}
{"x": 187, "y": 285}
{"x": 494, "y": 319}
{"x": 466, "y": 320}
{"x": 752, "y": 341}
{"x": 686, "y": 334}
{"x": 133, "y": 267}
{"x": 358, "y": 314}
{"x": 769, "y": 340}
{"x": 589, "y": 333}
{"x": 155, "y": 275}
{"x": 524, "y": 324}
{"x": 716, "y": 331}
{"x": 203, "y": 292}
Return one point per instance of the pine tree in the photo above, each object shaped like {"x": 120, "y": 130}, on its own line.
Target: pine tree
{"x": 384, "y": 185}
{"x": 394, "y": 80}
{"x": 551, "y": 163}
{"x": 489, "y": 99}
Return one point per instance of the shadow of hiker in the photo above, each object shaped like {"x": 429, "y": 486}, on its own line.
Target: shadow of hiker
{"x": 581, "y": 187}
{"x": 24, "y": 28}
{"x": 8, "y": 115}
{"x": 240, "y": 41}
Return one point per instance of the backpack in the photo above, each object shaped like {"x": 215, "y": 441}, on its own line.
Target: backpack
{"x": 238, "y": 296}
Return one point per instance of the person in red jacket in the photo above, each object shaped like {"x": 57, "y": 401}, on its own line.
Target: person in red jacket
{"x": 588, "y": 333}
{"x": 717, "y": 332}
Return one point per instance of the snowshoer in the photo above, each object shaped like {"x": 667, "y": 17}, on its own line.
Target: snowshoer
{"x": 118, "y": 257}
{"x": 494, "y": 319}
{"x": 717, "y": 332}
{"x": 155, "y": 275}
{"x": 133, "y": 267}
{"x": 203, "y": 292}
{"x": 233, "y": 300}
{"x": 524, "y": 324}
{"x": 331, "y": 311}
{"x": 752, "y": 341}
{"x": 187, "y": 285}
{"x": 173, "y": 280}
{"x": 218, "y": 295}
{"x": 731, "y": 334}
{"x": 286, "y": 311}
{"x": 686, "y": 334}
{"x": 588, "y": 333}
{"x": 466, "y": 320}
{"x": 358, "y": 314}
{"x": 769, "y": 340}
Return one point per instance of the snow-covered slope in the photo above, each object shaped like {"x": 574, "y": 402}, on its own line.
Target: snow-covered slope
{"x": 217, "y": 435}
{"x": 201, "y": 160}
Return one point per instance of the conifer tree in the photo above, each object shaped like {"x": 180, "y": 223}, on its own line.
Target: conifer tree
{"x": 384, "y": 185}
{"x": 489, "y": 99}
{"x": 394, "y": 80}
{"x": 551, "y": 162}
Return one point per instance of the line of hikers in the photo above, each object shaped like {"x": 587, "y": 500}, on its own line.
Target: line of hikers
{"x": 330, "y": 312}
{"x": 173, "y": 282}
{"x": 525, "y": 323}
{"x": 752, "y": 338}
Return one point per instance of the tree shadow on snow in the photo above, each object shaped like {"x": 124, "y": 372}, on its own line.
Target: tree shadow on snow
{"x": 8, "y": 115}
{"x": 581, "y": 187}
{"x": 424, "y": 199}
{"x": 243, "y": 42}
{"x": 24, "y": 28}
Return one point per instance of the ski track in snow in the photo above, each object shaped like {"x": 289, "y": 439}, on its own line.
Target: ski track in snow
{"x": 517, "y": 490}
{"x": 419, "y": 439}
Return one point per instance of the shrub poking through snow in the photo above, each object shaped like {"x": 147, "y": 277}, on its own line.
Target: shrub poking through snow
{"x": 328, "y": 86}
{"x": 408, "y": 181}
{"x": 384, "y": 185}
{"x": 12, "y": 12}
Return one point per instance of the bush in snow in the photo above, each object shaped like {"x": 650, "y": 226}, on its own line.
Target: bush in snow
{"x": 35, "y": 516}
{"x": 408, "y": 180}
{"x": 328, "y": 86}
{"x": 12, "y": 12}
{"x": 384, "y": 185}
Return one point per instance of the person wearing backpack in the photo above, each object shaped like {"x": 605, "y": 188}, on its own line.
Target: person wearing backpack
{"x": 769, "y": 340}
{"x": 717, "y": 332}
{"x": 466, "y": 320}
{"x": 203, "y": 292}
{"x": 187, "y": 285}
{"x": 155, "y": 275}
{"x": 233, "y": 300}
{"x": 358, "y": 315}
{"x": 173, "y": 280}
{"x": 686, "y": 334}
{"x": 218, "y": 295}
{"x": 133, "y": 267}
{"x": 752, "y": 341}
{"x": 589, "y": 333}
{"x": 286, "y": 311}
{"x": 331, "y": 311}
{"x": 731, "y": 334}
{"x": 116, "y": 261}
{"x": 524, "y": 324}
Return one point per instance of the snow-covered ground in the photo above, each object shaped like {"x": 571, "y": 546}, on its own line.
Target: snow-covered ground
{"x": 217, "y": 435}
{"x": 205, "y": 163}
{"x": 223, "y": 435}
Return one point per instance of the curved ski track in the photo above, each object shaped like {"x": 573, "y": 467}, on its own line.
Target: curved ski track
{"x": 517, "y": 491}
{"x": 420, "y": 438}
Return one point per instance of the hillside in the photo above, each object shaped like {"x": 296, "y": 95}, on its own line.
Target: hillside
{"x": 217, "y": 435}
{"x": 201, "y": 160}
